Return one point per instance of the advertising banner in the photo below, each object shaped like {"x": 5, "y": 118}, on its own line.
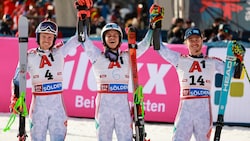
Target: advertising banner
{"x": 158, "y": 78}
{"x": 238, "y": 98}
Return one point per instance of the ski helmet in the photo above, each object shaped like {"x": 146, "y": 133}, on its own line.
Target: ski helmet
{"x": 111, "y": 26}
{"x": 46, "y": 27}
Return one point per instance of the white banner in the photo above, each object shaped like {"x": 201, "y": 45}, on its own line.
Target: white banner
{"x": 237, "y": 104}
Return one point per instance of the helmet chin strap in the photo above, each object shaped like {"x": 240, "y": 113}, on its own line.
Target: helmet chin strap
{"x": 111, "y": 54}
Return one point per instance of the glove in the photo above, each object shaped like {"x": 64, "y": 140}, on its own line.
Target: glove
{"x": 238, "y": 50}
{"x": 156, "y": 16}
{"x": 83, "y": 7}
{"x": 12, "y": 104}
{"x": 13, "y": 99}
{"x": 132, "y": 112}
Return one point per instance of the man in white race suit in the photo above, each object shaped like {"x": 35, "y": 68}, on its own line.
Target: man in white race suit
{"x": 45, "y": 66}
{"x": 196, "y": 73}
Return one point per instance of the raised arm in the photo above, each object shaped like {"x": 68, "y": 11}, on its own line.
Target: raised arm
{"x": 156, "y": 17}
{"x": 144, "y": 44}
{"x": 169, "y": 55}
{"x": 83, "y": 29}
{"x": 92, "y": 51}
{"x": 71, "y": 44}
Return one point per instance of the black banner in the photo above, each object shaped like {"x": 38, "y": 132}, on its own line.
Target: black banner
{"x": 235, "y": 12}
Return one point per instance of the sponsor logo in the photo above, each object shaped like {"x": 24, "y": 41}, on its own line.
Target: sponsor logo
{"x": 196, "y": 92}
{"x": 227, "y": 76}
{"x": 48, "y": 87}
{"x": 118, "y": 87}
{"x": 114, "y": 87}
{"x": 104, "y": 87}
{"x": 38, "y": 88}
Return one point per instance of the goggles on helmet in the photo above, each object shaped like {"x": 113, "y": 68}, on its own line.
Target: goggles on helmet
{"x": 47, "y": 26}
{"x": 111, "y": 26}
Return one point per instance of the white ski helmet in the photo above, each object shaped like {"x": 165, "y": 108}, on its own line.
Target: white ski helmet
{"x": 111, "y": 26}
{"x": 46, "y": 27}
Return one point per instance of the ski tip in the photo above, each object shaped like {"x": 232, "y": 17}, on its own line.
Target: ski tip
{"x": 23, "y": 26}
{"x": 23, "y": 18}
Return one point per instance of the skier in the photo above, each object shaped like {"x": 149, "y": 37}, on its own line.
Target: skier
{"x": 196, "y": 73}
{"x": 45, "y": 67}
{"x": 112, "y": 71}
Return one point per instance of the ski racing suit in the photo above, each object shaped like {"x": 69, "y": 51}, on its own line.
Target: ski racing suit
{"x": 196, "y": 75}
{"x": 47, "y": 111}
{"x": 112, "y": 105}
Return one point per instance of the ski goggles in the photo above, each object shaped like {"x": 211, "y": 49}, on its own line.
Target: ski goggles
{"x": 47, "y": 25}
{"x": 112, "y": 26}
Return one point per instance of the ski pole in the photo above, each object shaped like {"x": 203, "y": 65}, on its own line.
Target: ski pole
{"x": 244, "y": 67}
{"x": 19, "y": 108}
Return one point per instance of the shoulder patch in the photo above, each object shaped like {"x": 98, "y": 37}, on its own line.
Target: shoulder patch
{"x": 32, "y": 51}
{"x": 216, "y": 58}
{"x": 58, "y": 45}
{"x": 184, "y": 55}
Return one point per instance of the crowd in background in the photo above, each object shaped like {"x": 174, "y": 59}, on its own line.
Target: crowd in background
{"x": 35, "y": 10}
{"x": 219, "y": 30}
{"x": 103, "y": 12}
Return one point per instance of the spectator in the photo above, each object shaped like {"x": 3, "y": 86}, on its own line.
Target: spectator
{"x": 142, "y": 14}
{"x": 19, "y": 9}
{"x": 131, "y": 19}
{"x": 104, "y": 7}
{"x": 179, "y": 22}
{"x": 50, "y": 13}
{"x": 8, "y": 6}
{"x": 208, "y": 35}
{"x": 6, "y": 25}
{"x": 33, "y": 17}
{"x": 97, "y": 22}
{"x": 177, "y": 36}
{"x": 224, "y": 33}
{"x": 116, "y": 15}
{"x": 188, "y": 24}
{"x": 216, "y": 23}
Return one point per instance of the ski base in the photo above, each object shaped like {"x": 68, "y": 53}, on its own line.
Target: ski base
{"x": 23, "y": 46}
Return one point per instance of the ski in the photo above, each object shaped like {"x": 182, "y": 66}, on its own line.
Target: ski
{"x": 156, "y": 16}
{"x": 83, "y": 15}
{"x": 233, "y": 68}
{"x": 23, "y": 25}
{"x": 20, "y": 107}
{"x": 138, "y": 107}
